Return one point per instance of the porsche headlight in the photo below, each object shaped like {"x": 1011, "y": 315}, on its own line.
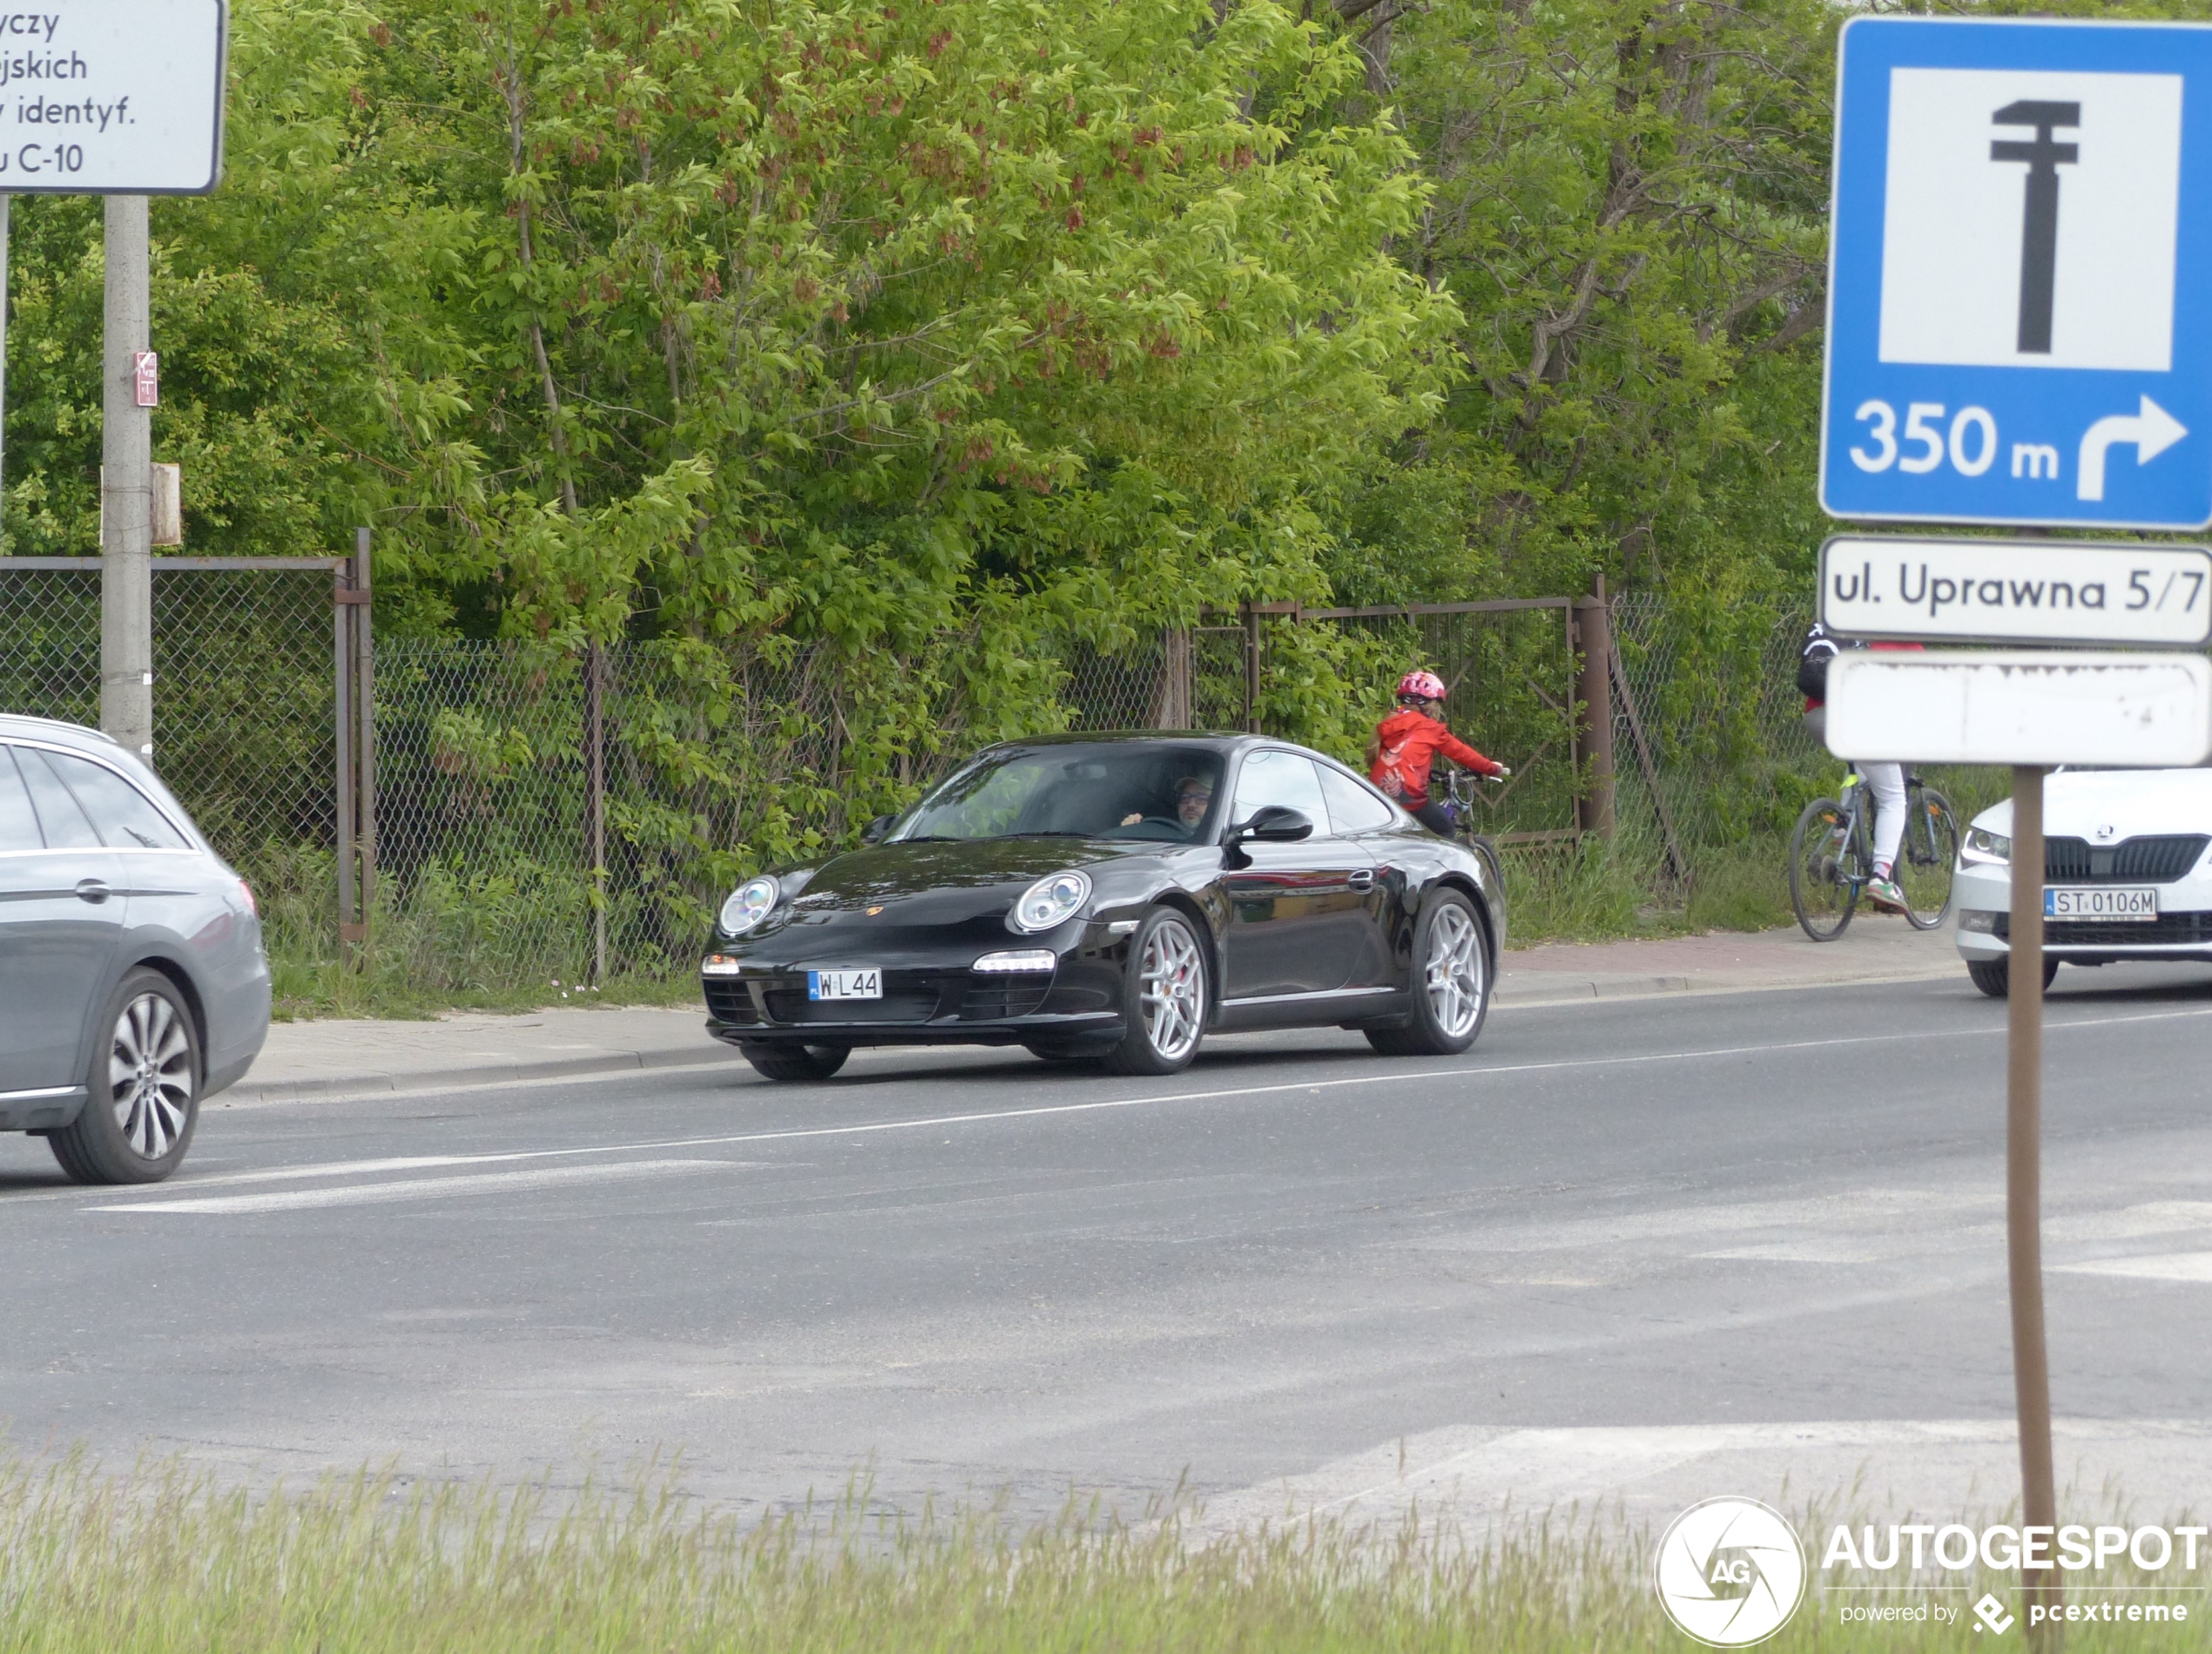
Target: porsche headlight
{"x": 1982, "y": 845}
{"x": 748, "y": 905}
{"x": 1048, "y": 901}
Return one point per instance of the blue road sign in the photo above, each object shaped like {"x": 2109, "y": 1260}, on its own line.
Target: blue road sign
{"x": 2019, "y": 281}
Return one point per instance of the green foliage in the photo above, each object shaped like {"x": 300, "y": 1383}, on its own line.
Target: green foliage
{"x": 867, "y": 323}
{"x": 1629, "y": 204}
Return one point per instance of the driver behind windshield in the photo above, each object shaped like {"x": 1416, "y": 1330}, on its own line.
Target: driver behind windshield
{"x": 1193, "y": 798}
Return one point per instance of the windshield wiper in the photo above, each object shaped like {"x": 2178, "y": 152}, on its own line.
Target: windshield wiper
{"x": 1046, "y": 833}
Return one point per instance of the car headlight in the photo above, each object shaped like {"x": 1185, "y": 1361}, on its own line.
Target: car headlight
{"x": 1985, "y": 846}
{"x": 1051, "y": 901}
{"x": 748, "y": 905}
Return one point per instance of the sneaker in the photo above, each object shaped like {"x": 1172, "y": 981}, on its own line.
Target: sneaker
{"x": 1885, "y": 894}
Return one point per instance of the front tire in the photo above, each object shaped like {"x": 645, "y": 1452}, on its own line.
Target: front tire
{"x": 145, "y": 1084}
{"x": 796, "y": 1062}
{"x": 1994, "y": 977}
{"x": 1926, "y": 861}
{"x": 1062, "y": 1053}
{"x": 1451, "y": 984}
{"x": 1165, "y": 998}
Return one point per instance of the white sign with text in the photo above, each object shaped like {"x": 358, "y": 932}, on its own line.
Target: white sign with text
{"x": 113, "y": 97}
{"x": 2015, "y": 591}
{"x": 2141, "y": 711}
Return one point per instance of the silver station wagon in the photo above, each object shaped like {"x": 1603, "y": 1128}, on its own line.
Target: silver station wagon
{"x": 132, "y": 983}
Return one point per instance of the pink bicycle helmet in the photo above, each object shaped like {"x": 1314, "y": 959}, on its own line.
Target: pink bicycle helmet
{"x": 1420, "y": 686}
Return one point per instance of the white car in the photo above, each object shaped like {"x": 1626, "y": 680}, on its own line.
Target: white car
{"x": 2125, "y": 873}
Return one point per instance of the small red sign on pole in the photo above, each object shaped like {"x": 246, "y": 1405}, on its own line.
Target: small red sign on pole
{"x": 147, "y": 366}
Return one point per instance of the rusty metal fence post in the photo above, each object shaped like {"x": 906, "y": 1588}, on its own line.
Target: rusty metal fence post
{"x": 595, "y": 800}
{"x": 1251, "y": 668}
{"x": 365, "y": 693}
{"x": 341, "y": 621}
{"x": 355, "y": 697}
{"x": 1172, "y": 709}
{"x": 1593, "y": 798}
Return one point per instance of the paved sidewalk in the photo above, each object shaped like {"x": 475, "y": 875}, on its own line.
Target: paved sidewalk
{"x": 324, "y": 1060}
{"x": 1877, "y": 948}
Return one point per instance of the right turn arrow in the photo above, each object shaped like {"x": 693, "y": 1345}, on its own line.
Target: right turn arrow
{"x": 2152, "y": 429}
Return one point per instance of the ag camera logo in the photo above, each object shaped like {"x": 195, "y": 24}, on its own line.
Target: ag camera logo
{"x": 1731, "y": 1572}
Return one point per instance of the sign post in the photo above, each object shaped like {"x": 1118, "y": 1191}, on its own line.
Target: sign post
{"x": 122, "y": 98}
{"x": 2020, "y": 332}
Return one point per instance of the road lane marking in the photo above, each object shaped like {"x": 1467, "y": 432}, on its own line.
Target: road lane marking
{"x": 982, "y": 1117}
{"x": 1043, "y": 1110}
{"x": 2171, "y": 1265}
{"x": 375, "y": 1194}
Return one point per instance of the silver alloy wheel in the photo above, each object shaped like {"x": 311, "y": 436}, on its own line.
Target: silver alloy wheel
{"x": 1455, "y": 971}
{"x": 1171, "y": 989}
{"x": 150, "y": 1075}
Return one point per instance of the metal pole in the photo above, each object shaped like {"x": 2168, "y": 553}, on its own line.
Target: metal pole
{"x": 3, "y": 347}
{"x": 126, "y": 452}
{"x": 365, "y": 695}
{"x": 342, "y": 690}
{"x": 1594, "y": 620}
{"x": 1251, "y": 669}
{"x": 594, "y": 745}
{"x": 2023, "y": 1172}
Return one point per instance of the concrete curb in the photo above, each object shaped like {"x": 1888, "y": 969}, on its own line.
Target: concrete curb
{"x": 1521, "y": 992}
{"x": 378, "y": 1085}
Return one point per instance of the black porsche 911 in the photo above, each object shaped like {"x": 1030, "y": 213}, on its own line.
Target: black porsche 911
{"x": 1113, "y": 898}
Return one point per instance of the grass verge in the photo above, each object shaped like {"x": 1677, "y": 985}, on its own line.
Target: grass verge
{"x": 165, "y": 1560}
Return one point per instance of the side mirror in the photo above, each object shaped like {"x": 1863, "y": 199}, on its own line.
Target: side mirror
{"x": 873, "y": 831}
{"x": 1276, "y": 824}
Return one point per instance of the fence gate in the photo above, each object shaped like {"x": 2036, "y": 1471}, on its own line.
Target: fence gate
{"x": 262, "y": 724}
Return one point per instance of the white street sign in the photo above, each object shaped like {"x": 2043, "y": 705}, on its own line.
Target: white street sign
{"x": 2144, "y": 711}
{"x": 113, "y": 97}
{"x": 2015, "y": 591}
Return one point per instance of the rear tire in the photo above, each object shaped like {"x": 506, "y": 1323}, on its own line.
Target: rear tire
{"x": 1994, "y": 977}
{"x": 1825, "y": 873}
{"x": 796, "y": 1062}
{"x": 143, "y": 1080}
{"x": 1450, "y": 986}
{"x": 1165, "y": 998}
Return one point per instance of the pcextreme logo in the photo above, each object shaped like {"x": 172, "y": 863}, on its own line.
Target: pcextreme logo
{"x": 1731, "y": 1572}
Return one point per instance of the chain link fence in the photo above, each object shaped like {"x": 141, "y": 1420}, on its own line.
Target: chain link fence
{"x": 498, "y": 874}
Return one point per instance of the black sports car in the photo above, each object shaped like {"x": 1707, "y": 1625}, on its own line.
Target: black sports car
{"x": 1112, "y": 898}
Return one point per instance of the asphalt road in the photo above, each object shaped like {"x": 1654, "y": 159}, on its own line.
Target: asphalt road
{"x": 1649, "y": 1250}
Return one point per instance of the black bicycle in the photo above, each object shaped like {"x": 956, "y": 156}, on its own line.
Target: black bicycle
{"x": 1459, "y": 804}
{"x": 1832, "y": 857}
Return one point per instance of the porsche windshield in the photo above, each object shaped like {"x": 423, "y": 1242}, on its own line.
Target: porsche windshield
{"x": 1104, "y": 792}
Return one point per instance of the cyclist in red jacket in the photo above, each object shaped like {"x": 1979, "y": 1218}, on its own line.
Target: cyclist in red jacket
{"x": 1405, "y": 743}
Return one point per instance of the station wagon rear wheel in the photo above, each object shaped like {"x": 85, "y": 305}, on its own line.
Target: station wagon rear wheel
{"x": 143, "y": 1082}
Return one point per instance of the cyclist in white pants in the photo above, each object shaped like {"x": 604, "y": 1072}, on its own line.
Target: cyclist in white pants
{"x": 1887, "y": 783}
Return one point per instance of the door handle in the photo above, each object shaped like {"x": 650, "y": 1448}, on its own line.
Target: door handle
{"x": 1361, "y": 878}
{"x": 92, "y": 890}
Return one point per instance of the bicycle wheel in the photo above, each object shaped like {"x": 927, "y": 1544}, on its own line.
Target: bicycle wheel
{"x": 1824, "y": 870}
{"x": 1929, "y": 855}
